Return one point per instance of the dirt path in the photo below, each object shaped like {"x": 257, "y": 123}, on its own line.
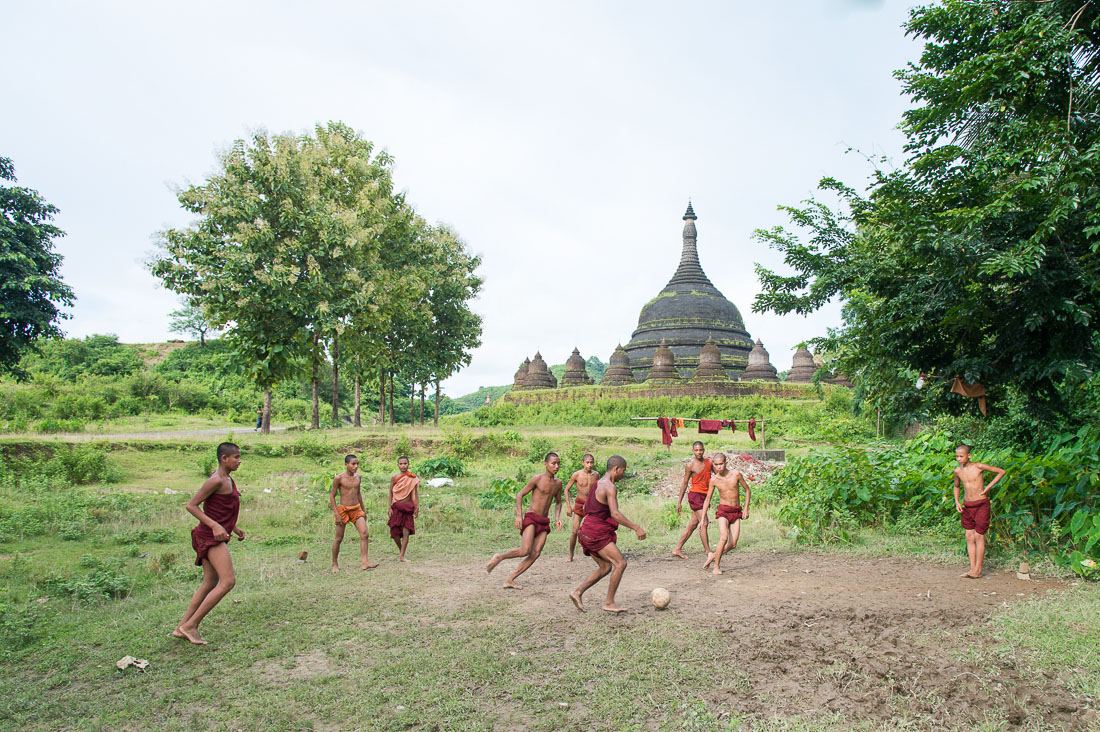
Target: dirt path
{"x": 86, "y": 437}
{"x": 817, "y": 634}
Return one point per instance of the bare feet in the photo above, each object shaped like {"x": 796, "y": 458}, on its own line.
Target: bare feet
{"x": 176, "y": 633}
{"x": 492, "y": 563}
{"x": 970, "y": 575}
{"x": 569, "y": 558}
{"x": 611, "y": 607}
{"x": 576, "y": 600}
{"x": 334, "y": 569}
{"x": 716, "y": 571}
{"x": 710, "y": 558}
{"x": 510, "y": 585}
{"x": 402, "y": 559}
{"x": 369, "y": 565}
{"x": 192, "y": 635}
{"x": 678, "y": 553}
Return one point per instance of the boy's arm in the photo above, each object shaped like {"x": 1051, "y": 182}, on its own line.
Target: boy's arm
{"x": 568, "y": 505}
{"x": 683, "y": 487}
{"x": 359, "y": 493}
{"x": 958, "y": 506}
{"x": 989, "y": 468}
{"x": 748, "y": 496}
{"x": 390, "y": 502}
{"x": 519, "y": 501}
{"x": 557, "y": 509}
{"x": 203, "y": 493}
{"x": 613, "y": 506}
{"x": 706, "y": 501}
{"x": 332, "y": 494}
{"x": 416, "y": 499}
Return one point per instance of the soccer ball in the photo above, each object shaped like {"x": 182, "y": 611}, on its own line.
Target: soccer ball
{"x": 660, "y": 597}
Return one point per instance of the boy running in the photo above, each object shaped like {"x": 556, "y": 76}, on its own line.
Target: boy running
{"x": 533, "y": 526}
{"x": 584, "y": 479}
{"x": 730, "y": 512}
{"x": 975, "y": 508}
{"x": 350, "y": 510}
{"x": 698, "y": 471}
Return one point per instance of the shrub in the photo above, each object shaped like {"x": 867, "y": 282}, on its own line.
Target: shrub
{"x": 537, "y": 449}
{"x": 501, "y": 494}
{"x": 311, "y": 447}
{"x": 460, "y": 444}
{"x": 103, "y": 580}
{"x": 51, "y": 425}
{"x": 20, "y": 626}
{"x": 442, "y": 466}
{"x": 206, "y": 463}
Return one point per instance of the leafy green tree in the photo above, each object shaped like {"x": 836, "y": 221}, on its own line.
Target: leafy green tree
{"x": 979, "y": 257}
{"x": 31, "y": 290}
{"x": 189, "y": 320}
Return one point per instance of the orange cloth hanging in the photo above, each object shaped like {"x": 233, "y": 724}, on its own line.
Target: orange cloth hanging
{"x": 974, "y": 391}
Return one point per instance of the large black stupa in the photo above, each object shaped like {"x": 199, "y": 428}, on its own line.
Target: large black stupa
{"x": 685, "y": 314}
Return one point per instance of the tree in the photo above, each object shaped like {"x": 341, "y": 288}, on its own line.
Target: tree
{"x": 189, "y": 320}
{"x": 31, "y": 290}
{"x": 980, "y": 257}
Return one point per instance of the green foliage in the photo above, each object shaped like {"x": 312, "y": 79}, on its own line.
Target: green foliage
{"x": 20, "y": 626}
{"x": 447, "y": 467}
{"x": 52, "y": 426}
{"x": 73, "y": 359}
{"x": 104, "y": 580}
{"x": 459, "y": 443}
{"x": 501, "y": 494}
{"x": 311, "y": 447}
{"x": 537, "y": 449}
{"x": 402, "y": 447}
{"x": 144, "y": 536}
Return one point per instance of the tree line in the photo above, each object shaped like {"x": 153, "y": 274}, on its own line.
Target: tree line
{"x": 303, "y": 252}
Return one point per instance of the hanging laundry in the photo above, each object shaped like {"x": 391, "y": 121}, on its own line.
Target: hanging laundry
{"x": 680, "y": 423}
{"x": 672, "y": 426}
{"x": 752, "y": 429}
{"x": 974, "y": 391}
{"x": 733, "y": 425}
{"x": 710, "y": 426}
{"x": 666, "y": 437}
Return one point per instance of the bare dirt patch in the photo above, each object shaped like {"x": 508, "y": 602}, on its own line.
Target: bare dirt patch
{"x": 666, "y": 481}
{"x": 868, "y": 639}
{"x": 303, "y": 667}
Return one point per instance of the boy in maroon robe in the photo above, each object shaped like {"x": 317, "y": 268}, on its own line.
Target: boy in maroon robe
{"x": 533, "y": 526}
{"x": 698, "y": 472}
{"x": 598, "y": 535}
{"x": 975, "y": 508}
{"x": 221, "y": 504}
{"x": 404, "y": 506}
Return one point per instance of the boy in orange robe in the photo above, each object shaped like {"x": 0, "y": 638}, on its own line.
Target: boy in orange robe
{"x": 350, "y": 510}
{"x": 698, "y": 471}
{"x": 404, "y": 506}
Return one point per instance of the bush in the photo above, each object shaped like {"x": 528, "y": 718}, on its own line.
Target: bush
{"x": 104, "y": 580}
{"x": 442, "y": 466}
{"x": 537, "y": 449}
{"x": 20, "y": 626}
{"x": 51, "y": 425}
{"x": 311, "y": 447}
{"x": 460, "y": 444}
{"x": 501, "y": 494}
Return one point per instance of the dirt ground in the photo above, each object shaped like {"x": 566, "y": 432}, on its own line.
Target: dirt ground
{"x": 871, "y": 639}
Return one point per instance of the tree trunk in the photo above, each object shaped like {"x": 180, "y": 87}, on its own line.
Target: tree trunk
{"x": 335, "y": 380}
{"x": 202, "y": 338}
{"x": 265, "y": 424}
{"x": 358, "y": 403}
{"x": 423, "y": 387}
{"x": 437, "y": 402}
{"x": 315, "y": 420}
{"x": 391, "y": 399}
{"x": 381, "y": 397}
{"x": 412, "y": 407}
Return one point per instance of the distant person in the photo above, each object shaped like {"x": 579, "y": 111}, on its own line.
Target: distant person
{"x": 221, "y": 504}
{"x": 534, "y": 526}
{"x": 730, "y": 510}
{"x": 259, "y": 418}
{"x": 350, "y": 510}
{"x": 584, "y": 479}
{"x": 698, "y": 471}
{"x": 404, "y": 506}
{"x": 598, "y": 536}
{"x": 975, "y": 508}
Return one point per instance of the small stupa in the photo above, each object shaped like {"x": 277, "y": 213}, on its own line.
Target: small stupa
{"x": 760, "y": 367}
{"x": 664, "y": 368}
{"x": 538, "y": 375}
{"x": 576, "y": 374}
{"x": 710, "y": 364}
{"x": 802, "y": 368}
{"x": 519, "y": 381}
{"x": 618, "y": 370}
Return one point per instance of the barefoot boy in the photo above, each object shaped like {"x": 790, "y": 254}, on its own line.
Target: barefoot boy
{"x": 730, "y": 512}
{"x": 404, "y": 506}
{"x": 698, "y": 471}
{"x": 350, "y": 510}
{"x": 584, "y": 479}
{"x": 534, "y": 526}
{"x": 597, "y": 536}
{"x": 975, "y": 505}
{"x": 221, "y": 503}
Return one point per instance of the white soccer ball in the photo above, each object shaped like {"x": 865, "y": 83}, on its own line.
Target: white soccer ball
{"x": 660, "y": 597}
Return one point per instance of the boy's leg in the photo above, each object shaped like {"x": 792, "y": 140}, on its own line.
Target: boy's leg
{"x": 209, "y": 579}
{"x": 218, "y": 558}
{"x": 573, "y": 536}
{"x": 971, "y": 550}
{"x": 527, "y": 541}
{"x": 618, "y": 565}
{"x": 336, "y": 546}
{"x": 536, "y": 550}
{"x": 735, "y": 534}
{"x": 403, "y": 545}
{"x": 723, "y": 537}
{"x": 679, "y": 550}
{"x": 603, "y": 568}
{"x": 364, "y": 543}
{"x": 979, "y": 553}
{"x": 704, "y": 530}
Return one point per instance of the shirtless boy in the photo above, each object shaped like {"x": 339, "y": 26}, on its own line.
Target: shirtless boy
{"x": 350, "y": 510}
{"x": 221, "y": 504}
{"x": 730, "y": 511}
{"x": 404, "y": 506}
{"x": 975, "y": 505}
{"x": 584, "y": 479}
{"x": 698, "y": 471}
{"x": 534, "y": 526}
{"x": 598, "y": 535}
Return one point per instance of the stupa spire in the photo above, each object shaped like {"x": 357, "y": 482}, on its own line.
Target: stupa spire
{"x": 690, "y": 272}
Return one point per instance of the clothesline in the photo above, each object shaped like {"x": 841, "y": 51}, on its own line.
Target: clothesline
{"x": 666, "y": 438}
{"x": 693, "y": 419}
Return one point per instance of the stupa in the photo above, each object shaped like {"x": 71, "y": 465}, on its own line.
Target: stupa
{"x": 538, "y": 375}
{"x": 802, "y": 367}
{"x": 685, "y": 315}
{"x": 576, "y": 374}
{"x": 618, "y": 370}
{"x": 519, "y": 381}
{"x": 663, "y": 369}
{"x": 760, "y": 367}
{"x": 710, "y": 364}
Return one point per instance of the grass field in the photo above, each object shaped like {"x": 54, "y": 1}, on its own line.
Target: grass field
{"x": 880, "y": 634}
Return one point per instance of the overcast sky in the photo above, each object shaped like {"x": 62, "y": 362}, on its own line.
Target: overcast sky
{"x": 562, "y": 140}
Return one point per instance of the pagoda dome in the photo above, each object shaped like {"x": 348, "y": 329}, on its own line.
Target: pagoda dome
{"x": 710, "y": 364}
{"x": 802, "y": 367}
{"x": 576, "y": 373}
{"x": 760, "y": 367}
{"x": 686, "y": 314}
{"x": 663, "y": 369}
{"x": 618, "y": 370}
{"x": 538, "y": 375}
{"x": 521, "y": 375}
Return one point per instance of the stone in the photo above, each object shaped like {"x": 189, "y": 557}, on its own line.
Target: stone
{"x": 710, "y": 364}
{"x": 663, "y": 369}
{"x": 576, "y": 374}
{"x": 618, "y": 371}
{"x": 520, "y": 379}
{"x": 687, "y": 313}
{"x": 538, "y": 375}
{"x": 802, "y": 367}
{"x": 760, "y": 367}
